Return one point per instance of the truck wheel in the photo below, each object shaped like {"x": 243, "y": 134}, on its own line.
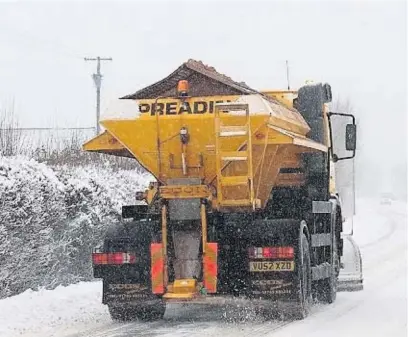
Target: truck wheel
{"x": 327, "y": 290}
{"x": 304, "y": 279}
{"x": 119, "y": 313}
{"x": 145, "y": 313}
{"x": 151, "y": 312}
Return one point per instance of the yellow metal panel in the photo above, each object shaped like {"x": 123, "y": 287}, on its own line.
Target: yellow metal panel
{"x": 176, "y": 296}
{"x": 234, "y": 180}
{"x": 234, "y": 155}
{"x": 236, "y": 203}
{"x": 140, "y": 135}
{"x": 184, "y": 286}
{"x": 105, "y": 141}
{"x": 203, "y": 215}
{"x": 182, "y": 289}
{"x": 184, "y": 191}
{"x": 231, "y": 130}
{"x": 164, "y": 242}
{"x": 267, "y": 174}
{"x": 151, "y": 192}
{"x": 154, "y": 140}
{"x": 283, "y": 96}
{"x": 300, "y": 140}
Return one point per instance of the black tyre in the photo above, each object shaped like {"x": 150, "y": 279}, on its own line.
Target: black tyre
{"x": 304, "y": 277}
{"x": 145, "y": 313}
{"x": 119, "y": 313}
{"x": 151, "y": 313}
{"x": 310, "y": 104}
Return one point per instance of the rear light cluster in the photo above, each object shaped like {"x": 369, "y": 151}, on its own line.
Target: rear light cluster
{"x": 113, "y": 258}
{"x": 271, "y": 252}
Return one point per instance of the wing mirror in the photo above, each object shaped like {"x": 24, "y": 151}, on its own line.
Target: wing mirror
{"x": 350, "y": 136}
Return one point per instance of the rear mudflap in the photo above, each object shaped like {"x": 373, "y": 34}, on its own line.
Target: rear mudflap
{"x": 277, "y": 286}
{"x": 127, "y": 294}
{"x": 351, "y": 272}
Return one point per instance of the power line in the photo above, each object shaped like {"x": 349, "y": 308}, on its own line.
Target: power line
{"x": 97, "y": 78}
{"x": 48, "y": 129}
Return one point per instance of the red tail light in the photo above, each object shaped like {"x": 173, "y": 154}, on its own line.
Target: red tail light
{"x": 113, "y": 258}
{"x": 99, "y": 258}
{"x": 271, "y": 252}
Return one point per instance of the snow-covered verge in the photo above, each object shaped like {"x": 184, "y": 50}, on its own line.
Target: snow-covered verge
{"x": 52, "y": 312}
{"x": 52, "y": 217}
{"x": 77, "y": 309}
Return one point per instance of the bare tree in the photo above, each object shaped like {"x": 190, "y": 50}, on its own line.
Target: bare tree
{"x": 55, "y": 149}
{"x": 11, "y": 138}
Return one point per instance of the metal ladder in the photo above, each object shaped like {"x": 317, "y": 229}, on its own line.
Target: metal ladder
{"x": 222, "y": 130}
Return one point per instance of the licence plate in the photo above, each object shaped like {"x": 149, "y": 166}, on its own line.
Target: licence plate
{"x": 263, "y": 266}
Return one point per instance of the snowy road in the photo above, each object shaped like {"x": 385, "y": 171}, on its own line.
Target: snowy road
{"x": 379, "y": 310}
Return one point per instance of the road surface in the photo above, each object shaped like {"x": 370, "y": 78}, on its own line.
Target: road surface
{"x": 379, "y": 310}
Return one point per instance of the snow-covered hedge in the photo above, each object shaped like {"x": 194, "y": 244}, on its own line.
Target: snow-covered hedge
{"x": 52, "y": 217}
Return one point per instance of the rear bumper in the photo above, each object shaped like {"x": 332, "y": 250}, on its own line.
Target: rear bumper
{"x": 226, "y": 301}
{"x": 214, "y": 301}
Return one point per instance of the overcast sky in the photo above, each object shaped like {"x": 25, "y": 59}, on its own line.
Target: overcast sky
{"x": 359, "y": 47}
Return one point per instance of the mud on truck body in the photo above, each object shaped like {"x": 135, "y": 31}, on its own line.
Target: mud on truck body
{"x": 244, "y": 205}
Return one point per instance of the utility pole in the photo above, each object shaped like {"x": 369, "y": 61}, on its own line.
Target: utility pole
{"x": 287, "y": 73}
{"x": 97, "y": 78}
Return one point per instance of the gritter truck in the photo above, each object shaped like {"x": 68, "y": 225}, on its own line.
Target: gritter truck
{"x": 243, "y": 205}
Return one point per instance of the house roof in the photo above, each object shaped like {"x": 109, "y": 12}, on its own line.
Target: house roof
{"x": 183, "y": 72}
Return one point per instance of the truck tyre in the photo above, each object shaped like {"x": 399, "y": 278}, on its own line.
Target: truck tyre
{"x": 119, "y": 313}
{"x": 151, "y": 312}
{"x": 304, "y": 279}
{"x": 145, "y": 313}
{"x": 327, "y": 290}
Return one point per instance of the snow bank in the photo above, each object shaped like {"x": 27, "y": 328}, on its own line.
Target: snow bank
{"x": 52, "y": 217}
{"x": 53, "y": 312}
